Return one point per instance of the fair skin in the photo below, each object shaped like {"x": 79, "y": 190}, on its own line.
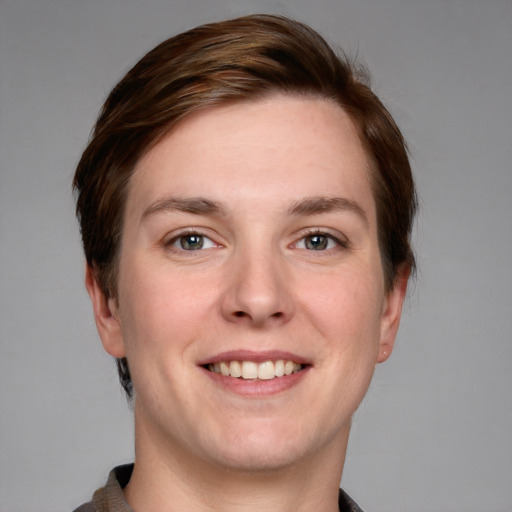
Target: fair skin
{"x": 250, "y": 236}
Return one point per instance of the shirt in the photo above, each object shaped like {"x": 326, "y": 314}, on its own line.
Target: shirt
{"x": 111, "y": 498}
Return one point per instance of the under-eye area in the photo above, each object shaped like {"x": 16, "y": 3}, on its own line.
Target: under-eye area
{"x": 265, "y": 370}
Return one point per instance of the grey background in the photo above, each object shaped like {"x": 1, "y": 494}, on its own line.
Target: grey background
{"x": 435, "y": 432}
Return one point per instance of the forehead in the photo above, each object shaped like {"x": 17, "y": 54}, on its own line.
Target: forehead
{"x": 274, "y": 149}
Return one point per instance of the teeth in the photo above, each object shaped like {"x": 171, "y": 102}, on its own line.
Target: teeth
{"x": 235, "y": 369}
{"x": 266, "y": 370}
{"x": 251, "y": 370}
{"x": 224, "y": 368}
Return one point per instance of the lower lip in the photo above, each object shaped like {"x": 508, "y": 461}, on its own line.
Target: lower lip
{"x": 256, "y": 387}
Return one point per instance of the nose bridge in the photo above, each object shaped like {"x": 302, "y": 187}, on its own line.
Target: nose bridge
{"x": 257, "y": 290}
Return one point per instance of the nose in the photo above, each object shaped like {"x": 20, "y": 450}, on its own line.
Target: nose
{"x": 258, "y": 289}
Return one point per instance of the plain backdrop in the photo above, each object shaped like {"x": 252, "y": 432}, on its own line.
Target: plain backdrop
{"x": 435, "y": 431}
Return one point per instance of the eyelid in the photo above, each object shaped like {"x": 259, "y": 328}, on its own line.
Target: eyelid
{"x": 339, "y": 238}
{"x": 174, "y": 237}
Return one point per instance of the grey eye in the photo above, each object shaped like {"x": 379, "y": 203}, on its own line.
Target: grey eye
{"x": 191, "y": 242}
{"x": 317, "y": 242}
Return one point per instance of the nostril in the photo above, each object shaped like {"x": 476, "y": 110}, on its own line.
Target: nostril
{"x": 242, "y": 314}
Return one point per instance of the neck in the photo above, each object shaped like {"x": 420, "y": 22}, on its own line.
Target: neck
{"x": 168, "y": 478}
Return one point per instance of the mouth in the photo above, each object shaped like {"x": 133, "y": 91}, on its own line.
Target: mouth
{"x": 251, "y": 370}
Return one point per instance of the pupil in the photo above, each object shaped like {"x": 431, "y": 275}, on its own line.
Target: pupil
{"x": 191, "y": 242}
{"x": 316, "y": 242}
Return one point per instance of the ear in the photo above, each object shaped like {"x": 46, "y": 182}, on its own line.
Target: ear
{"x": 106, "y": 315}
{"x": 391, "y": 313}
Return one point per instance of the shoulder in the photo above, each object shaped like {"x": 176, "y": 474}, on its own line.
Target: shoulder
{"x": 86, "y": 507}
{"x": 110, "y": 498}
{"x": 346, "y": 503}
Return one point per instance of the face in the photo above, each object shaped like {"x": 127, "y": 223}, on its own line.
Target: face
{"x": 251, "y": 302}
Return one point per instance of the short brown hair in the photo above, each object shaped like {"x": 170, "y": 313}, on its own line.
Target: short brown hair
{"x": 233, "y": 61}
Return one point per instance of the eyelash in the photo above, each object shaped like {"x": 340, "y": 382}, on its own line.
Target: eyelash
{"x": 340, "y": 243}
{"x": 184, "y": 234}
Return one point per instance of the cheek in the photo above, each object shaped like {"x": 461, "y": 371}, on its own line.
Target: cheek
{"x": 162, "y": 310}
{"x": 346, "y": 309}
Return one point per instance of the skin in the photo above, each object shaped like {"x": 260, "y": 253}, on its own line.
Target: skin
{"x": 258, "y": 285}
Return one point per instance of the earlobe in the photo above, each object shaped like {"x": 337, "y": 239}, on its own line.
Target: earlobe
{"x": 391, "y": 313}
{"x": 106, "y": 315}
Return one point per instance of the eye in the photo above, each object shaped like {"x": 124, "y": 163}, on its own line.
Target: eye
{"x": 191, "y": 242}
{"x": 319, "y": 242}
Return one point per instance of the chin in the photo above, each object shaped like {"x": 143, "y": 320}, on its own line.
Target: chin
{"x": 263, "y": 449}
{"x": 258, "y": 460}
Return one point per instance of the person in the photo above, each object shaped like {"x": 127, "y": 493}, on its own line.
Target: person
{"x": 245, "y": 205}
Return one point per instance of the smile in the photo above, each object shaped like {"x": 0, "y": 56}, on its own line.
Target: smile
{"x": 266, "y": 370}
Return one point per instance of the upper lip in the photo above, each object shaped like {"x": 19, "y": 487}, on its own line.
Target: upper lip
{"x": 254, "y": 356}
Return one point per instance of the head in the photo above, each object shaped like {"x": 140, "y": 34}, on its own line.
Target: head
{"x": 233, "y": 62}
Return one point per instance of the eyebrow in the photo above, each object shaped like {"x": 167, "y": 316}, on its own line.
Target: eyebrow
{"x": 320, "y": 204}
{"x": 195, "y": 205}
{"x": 307, "y": 206}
